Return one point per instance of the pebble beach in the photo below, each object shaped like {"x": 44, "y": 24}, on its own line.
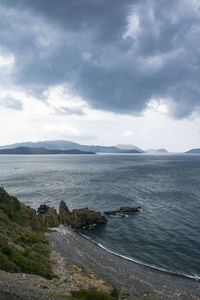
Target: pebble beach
{"x": 129, "y": 277}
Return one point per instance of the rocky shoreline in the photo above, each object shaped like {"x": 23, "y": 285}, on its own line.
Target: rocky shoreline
{"x": 137, "y": 281}
{"x": 78, "y": 218}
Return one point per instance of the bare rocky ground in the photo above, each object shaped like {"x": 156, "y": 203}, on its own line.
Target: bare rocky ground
{"x": 26, "y": 286}
{"x": 70, "y": 277}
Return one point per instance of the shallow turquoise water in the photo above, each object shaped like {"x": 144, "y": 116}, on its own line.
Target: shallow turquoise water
{"x": 166, "y": 234}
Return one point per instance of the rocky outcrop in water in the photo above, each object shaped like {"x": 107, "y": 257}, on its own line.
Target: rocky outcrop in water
{"x": 77, "y": 218}
{"x": 123, "y": 209}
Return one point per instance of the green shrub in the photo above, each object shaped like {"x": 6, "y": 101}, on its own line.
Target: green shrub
{"x": 114, "y": 294}
{"x": 6, "y": 264}
{"x": 31, "y": 263}
{"x": 29, "y": 239}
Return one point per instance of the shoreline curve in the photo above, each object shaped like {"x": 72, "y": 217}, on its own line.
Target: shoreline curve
{"x": 138, "y": 262}
{"x": 125, "y": 273}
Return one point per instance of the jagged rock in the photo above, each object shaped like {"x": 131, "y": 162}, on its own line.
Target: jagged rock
{"x": 43, "y": 209}
{"x": 124, "y": 209}
{"x": 79, "y": 217}
{"x": 52, "y": 218}
{"x": 85, "y": 217}
{"x": 48, "y": 216}
{"x": 64, "y": 214}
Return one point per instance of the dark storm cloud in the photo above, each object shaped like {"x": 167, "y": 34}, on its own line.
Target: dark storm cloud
{"x": 115, "y": 54}
{"x": 11, "y": 103}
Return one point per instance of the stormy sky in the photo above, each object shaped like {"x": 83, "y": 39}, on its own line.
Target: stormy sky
{"x": 101, "y": 72}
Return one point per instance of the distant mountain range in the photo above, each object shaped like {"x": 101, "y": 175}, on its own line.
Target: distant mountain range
{"x": 61, "y": 145}
{"x": 67, "y": 145}
{"x": 129, "y": 147}
{"x": 196, "y": 150}
{"x": 28, "y": 150}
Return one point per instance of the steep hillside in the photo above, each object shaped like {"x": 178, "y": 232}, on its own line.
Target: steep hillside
{"x": 23, "y": 246}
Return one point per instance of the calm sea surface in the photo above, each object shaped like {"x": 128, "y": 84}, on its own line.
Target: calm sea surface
{"x": 165, "y": 234}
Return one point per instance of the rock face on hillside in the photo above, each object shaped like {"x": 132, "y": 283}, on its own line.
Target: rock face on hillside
{"x": 79, "y": 217}
{"x": 48, "y": 216}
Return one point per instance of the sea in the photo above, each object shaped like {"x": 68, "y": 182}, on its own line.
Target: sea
{"x": 165, "y": 234}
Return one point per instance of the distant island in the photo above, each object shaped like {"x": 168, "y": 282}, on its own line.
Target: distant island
{"x": 196, "y": 150}
{"x": 62, "y": 145}
{"x": 29, "y": 151}
{"x": 68, "y": 145}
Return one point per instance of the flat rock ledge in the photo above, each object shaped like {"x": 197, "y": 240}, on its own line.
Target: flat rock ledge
{"x": 123, "y": 209}
{"x": 78, "y": 218}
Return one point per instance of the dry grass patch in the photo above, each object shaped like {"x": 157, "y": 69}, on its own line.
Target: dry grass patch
{"x": 89, "y": 279}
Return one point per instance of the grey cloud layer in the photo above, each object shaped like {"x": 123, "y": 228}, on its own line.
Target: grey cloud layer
{"x": 115, "y": 54}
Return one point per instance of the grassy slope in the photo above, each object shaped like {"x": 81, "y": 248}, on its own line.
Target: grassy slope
{"x": 23, "y": 246}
